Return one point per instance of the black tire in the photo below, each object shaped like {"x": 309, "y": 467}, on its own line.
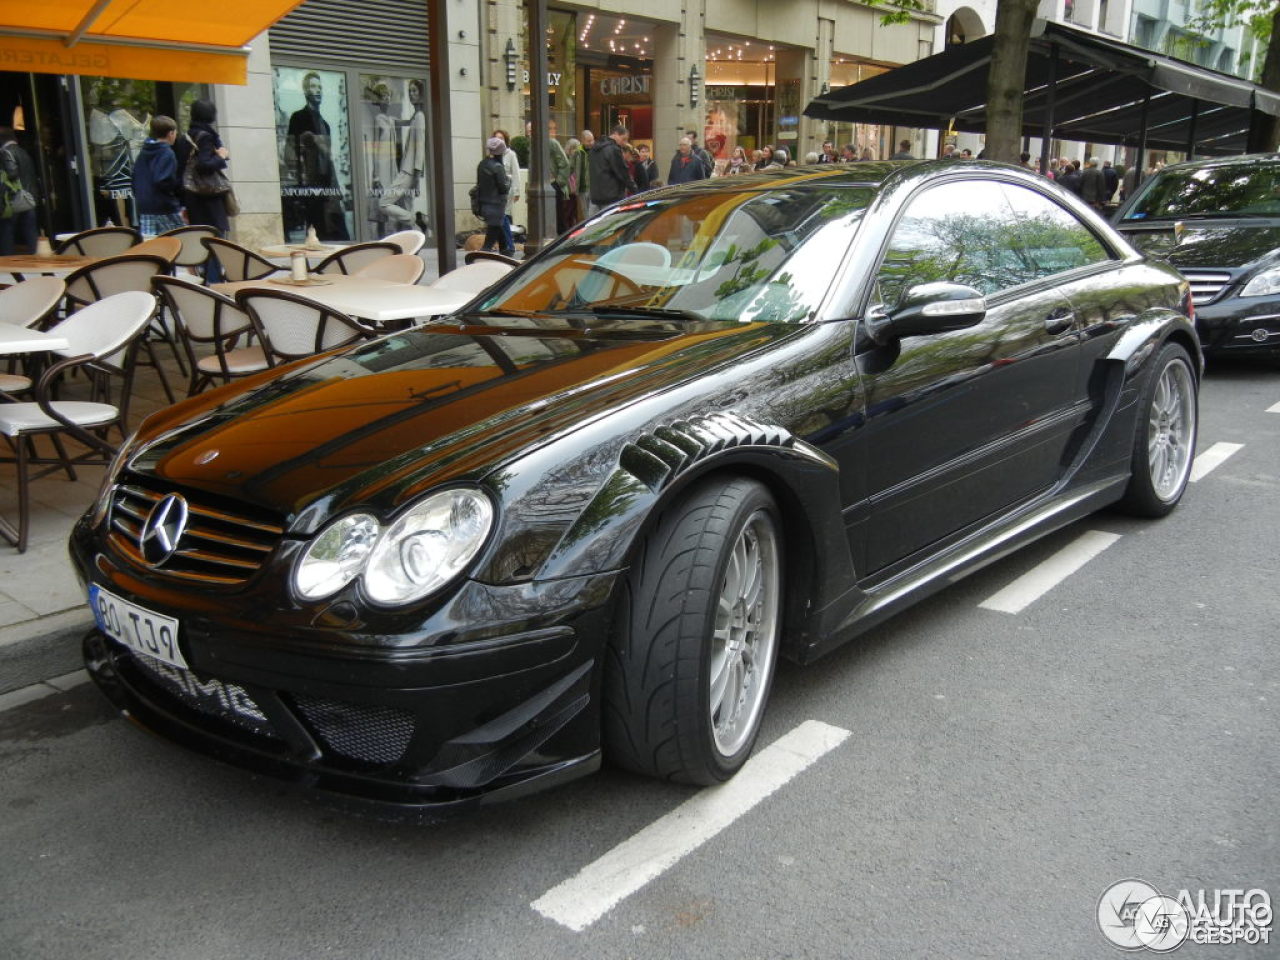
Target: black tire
{"x": 1156, "y": 485}
{"x": 658, "y": 715}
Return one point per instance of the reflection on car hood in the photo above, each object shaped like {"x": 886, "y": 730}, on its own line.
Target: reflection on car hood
{"x": 1217, "y": 243}
{"x": 388, "y": 420}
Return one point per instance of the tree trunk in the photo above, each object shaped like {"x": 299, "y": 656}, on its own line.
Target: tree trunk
{"x": 1264, "y": 129}
{"x": 1007, "y": 78}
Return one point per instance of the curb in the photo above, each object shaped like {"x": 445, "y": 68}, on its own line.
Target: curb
{"x": 35, "y": 650}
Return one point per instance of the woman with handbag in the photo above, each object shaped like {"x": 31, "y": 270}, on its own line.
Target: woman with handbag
{"x": 203, "y": 159}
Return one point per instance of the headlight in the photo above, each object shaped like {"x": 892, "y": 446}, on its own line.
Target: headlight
{"x": 336, "y": 557}
{"x": 1264, "y": 284}
{"x": 428, "y": 545}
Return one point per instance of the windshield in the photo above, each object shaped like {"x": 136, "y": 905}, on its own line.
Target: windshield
{"x": 762, "y": 256}
{"x": 1243, "y": 190}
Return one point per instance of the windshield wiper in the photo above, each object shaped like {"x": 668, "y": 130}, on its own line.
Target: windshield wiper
{"x": 663, "y": 313}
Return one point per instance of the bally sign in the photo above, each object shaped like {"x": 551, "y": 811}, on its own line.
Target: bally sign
{"x": 553, "y": 79}
{"x": 622, "y": 86}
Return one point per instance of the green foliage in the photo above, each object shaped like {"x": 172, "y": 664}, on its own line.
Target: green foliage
{"x": 520, "y": 145}
{"x": 899, "y": 11}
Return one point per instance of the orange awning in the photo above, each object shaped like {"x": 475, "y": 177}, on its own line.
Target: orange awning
{"x": 137, "y": 39}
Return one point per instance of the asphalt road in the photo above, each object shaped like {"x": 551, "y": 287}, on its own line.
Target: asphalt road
{"x": 1001, "y": 770}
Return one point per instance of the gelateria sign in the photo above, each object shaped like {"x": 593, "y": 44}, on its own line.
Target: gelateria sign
{"x": 629, "y": 85}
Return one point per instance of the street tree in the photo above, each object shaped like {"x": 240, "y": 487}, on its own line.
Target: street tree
{"x": 1262, "y": 20}
{"x": 1006, "y": 76}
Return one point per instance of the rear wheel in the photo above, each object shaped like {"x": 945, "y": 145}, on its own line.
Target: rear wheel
{"x": 692, "y": 658}
{"x": 1165, "y": 440}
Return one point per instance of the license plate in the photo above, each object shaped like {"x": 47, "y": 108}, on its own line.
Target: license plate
{"x": 138, "y": 628}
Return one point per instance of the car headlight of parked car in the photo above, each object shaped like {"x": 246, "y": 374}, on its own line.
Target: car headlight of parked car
{"x": 1265, "y": 284}
{"x": 423, "y": 549}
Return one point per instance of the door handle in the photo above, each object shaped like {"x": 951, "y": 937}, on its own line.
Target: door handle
{"x": 1060, "y": 321}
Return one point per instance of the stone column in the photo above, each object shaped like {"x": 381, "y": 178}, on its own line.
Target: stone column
{"x": 677, "y": 48}
{"x": 469, "y": 130}
{"x": 247, "y": 124}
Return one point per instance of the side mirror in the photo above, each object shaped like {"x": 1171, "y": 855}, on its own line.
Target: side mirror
{"x": 929, "y": 308}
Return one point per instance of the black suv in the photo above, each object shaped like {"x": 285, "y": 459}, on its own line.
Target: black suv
{"x": 1218, "y": 221}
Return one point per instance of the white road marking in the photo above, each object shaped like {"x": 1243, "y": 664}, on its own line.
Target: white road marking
{"x": 598, "y": 887}
{"x": 1042, "y": 578}
{"x": 1274, "y": 408}
{"x": 1212, "y": 458}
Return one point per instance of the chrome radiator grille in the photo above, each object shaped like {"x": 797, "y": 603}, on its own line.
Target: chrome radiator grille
{"x": 1206, "y": 284}
{"x": 220, "y": 545}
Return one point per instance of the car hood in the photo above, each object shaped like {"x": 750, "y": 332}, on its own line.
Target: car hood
{"x": 383, "y": 422}
{"x": 1207, "y": 243}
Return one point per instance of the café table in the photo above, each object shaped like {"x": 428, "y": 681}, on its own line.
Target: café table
{"x": 315, "y": 252}
{"x": 15, "y": 339}
{"x": 367, "y": 298}
{"x": 13, "y": 269}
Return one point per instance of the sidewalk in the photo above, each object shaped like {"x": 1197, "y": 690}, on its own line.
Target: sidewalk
{"x": 43, "y": 612}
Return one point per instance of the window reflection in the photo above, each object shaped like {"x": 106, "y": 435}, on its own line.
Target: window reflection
{"x": 745, "y": 256}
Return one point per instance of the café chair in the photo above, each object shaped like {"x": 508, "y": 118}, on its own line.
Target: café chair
{"x": 290, "y": 327}
{"x": 194, "y": 254}
{"x": 351, "y": 259}
{"x": 99, "y": 242}
{"x": 398, "y": 268}
{"x": 239, "y": 263}
{"x": 473, "y": 256}
{"x": 112, "y": 275}
{"x": 103, "y": 331}
{"x": 27, "y": 304}
{"x": 472, "y": 278}
{"x": 409, "y": 241}
{"x": 204, "y": 318}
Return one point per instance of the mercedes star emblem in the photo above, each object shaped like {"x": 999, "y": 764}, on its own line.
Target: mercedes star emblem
{"x": 165, "y": 525}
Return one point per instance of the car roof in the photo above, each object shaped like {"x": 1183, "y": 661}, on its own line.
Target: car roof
{"x": 862, "y": 173}
{"x": 1214, "y": 163}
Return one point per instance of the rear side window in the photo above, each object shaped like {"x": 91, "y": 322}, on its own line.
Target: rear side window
{"x": 1048, "y": 238}
{"x": 989, "y": 235}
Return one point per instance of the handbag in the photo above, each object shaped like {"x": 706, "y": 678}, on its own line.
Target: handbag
{"x": 203, "y": 183}
{"x": 232, "y": 204}
{"x": 476, "y": 210}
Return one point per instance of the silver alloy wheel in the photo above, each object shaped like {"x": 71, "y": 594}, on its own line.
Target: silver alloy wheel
{"x": 1171, "y": 430}
{"x": 744, "y": 642}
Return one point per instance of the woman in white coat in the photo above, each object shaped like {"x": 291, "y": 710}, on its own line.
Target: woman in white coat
{"x": 512, "y": 164}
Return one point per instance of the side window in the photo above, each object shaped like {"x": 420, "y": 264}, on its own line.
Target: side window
{"x": 1048, "y": 238}
{"x": 957, "y": 232}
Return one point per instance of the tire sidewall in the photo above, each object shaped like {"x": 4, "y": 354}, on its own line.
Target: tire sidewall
{"x": 1143, "y": 495}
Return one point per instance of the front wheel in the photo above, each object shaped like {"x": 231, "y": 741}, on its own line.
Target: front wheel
{"x": 692, "y": 658}
{"x": 1165, "y": 440}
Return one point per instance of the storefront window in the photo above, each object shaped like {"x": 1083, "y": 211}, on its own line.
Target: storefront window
{"x": 117, "y": 122}
{"x": 741, "y": 90}
{"x": 393, "y": 132}
{"x": 614, "y": 57}
{"x": 870, "y": 141}
{"x": 313, "y": 135}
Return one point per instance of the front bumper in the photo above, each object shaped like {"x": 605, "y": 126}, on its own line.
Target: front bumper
{"x": 1231, "y": 325}
{"x": 490, "y": 693}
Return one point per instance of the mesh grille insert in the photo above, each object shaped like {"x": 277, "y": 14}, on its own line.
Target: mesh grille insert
{"x": 226, "y": 701}
{"x": 371, "y": 734}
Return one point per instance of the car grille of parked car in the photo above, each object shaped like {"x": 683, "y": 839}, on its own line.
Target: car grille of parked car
{"x": 1206, "y": 285}
{"x": 220, "y": 545}
{"x": 372, "y": 734}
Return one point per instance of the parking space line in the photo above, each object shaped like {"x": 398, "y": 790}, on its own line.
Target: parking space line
{"x": 1274, "y": 408}
{"x": 598, "y": 887}
{"x": 1043, "y": 577}
{"x": 1212, "y": 458}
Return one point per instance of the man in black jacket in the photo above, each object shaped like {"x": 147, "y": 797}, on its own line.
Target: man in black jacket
{"x": 610, "y": 181}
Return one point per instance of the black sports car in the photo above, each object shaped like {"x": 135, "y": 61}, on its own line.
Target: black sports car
{"x": 717, "y": 423}
{"x": 1218, "y": 221}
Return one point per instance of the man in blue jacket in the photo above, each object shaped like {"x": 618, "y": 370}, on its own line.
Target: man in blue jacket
{"x": 157, "y": 180}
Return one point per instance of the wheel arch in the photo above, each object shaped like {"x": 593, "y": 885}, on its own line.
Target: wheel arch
{"x": 656, "y": 470}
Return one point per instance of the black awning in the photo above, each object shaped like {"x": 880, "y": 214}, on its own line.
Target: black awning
{"x": 1098, "y": 84}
